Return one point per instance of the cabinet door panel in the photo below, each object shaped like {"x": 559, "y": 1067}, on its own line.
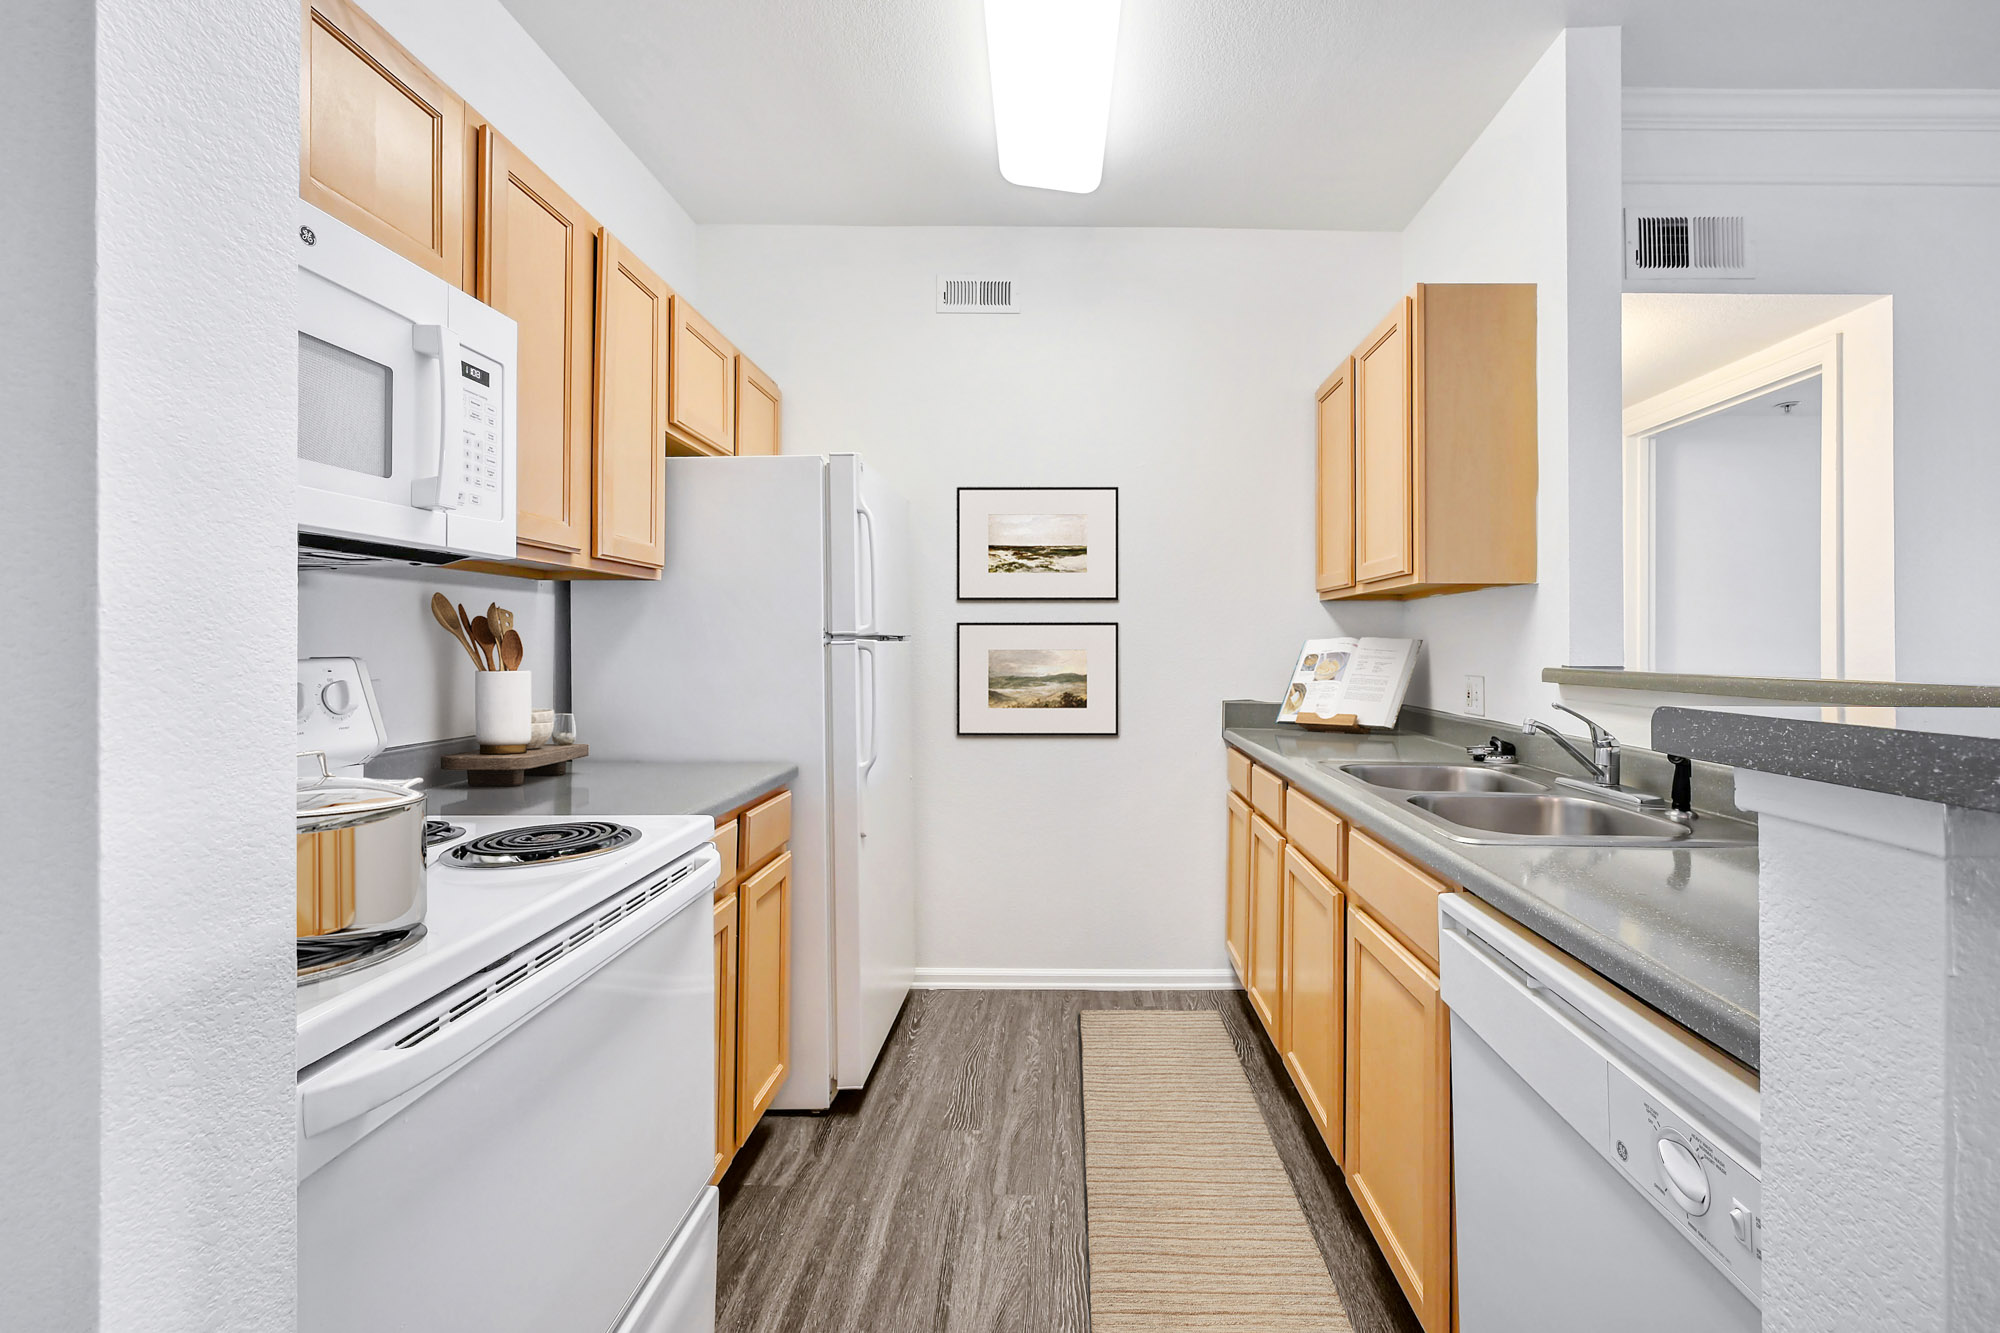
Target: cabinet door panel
{"x": 764, "y": 991}
{"x": 1336, "y": 480}
{"x": 1384, "y": 528}
{"x": 725, "y": 1034}
{"x": 703, "y": 411}
{"x": 1315, "y": 999}
{"x": 1267, "y": 925}
{"x": 381, "y": 140}
{"x": 1398, "y": 1129}
{"x": 1238, "y": 914}
{"x": 633, "y": 319}
{"x": 759, "y": 410}
{"x": 539, "y": 267}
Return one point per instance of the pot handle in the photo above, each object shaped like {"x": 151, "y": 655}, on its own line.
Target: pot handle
{"x": 325, "y": 773}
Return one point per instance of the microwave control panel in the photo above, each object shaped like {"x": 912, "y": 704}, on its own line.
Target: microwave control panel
{"x": 480, "y": 480}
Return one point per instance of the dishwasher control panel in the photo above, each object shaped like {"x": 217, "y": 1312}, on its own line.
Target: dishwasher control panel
{"x": 1705, "y": 1190}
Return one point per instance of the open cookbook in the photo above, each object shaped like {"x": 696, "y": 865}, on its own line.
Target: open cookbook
{"x": 1364, "y": 679}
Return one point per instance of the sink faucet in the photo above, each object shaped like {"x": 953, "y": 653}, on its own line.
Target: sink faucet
{"x": 1604, "y": 767}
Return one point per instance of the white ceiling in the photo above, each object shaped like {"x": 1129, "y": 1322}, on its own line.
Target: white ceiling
{"x": 1672, "y": 337}
{"x": 1227, "y": 113}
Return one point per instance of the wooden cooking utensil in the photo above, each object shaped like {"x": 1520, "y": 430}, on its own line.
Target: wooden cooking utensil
{"x": 510, "y": 651}
{"x": 442, "y": 613}
{"x": 472, "y": 638}
{"x": 501, "y": 619}
{"x": 482, "y": 634}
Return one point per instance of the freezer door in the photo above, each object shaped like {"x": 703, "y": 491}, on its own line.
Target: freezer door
{"x": 868, "y": 552}
{"x": 874, "y": 847}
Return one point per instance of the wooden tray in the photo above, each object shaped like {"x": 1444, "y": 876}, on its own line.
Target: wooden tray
{"x": 1339, "y": 722}
{"x": 511, "y": 770}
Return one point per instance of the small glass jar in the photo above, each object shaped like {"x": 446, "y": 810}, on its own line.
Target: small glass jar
{"x": 564, "y": 730}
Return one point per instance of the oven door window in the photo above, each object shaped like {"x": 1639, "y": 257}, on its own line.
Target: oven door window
{"x": 347, "y": 409}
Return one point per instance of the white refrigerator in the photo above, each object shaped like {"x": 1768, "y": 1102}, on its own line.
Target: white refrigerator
{"x": 780, "y": 630}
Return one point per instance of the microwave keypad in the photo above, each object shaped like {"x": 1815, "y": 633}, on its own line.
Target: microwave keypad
{"x": 479, "y": 469}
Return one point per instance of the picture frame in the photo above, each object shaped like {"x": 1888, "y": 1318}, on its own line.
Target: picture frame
{"x": 1037, "y": 679}
{"x": 1037, "y": 543}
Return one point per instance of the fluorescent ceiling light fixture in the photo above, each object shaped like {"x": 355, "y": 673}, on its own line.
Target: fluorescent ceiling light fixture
{"x": 1052, "y": 62}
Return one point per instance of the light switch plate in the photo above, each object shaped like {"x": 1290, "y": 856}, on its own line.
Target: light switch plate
{"x": 1475, "y": 695}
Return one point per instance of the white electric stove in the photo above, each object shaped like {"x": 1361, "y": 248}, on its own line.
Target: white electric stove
{"x": 509, "y": 1125}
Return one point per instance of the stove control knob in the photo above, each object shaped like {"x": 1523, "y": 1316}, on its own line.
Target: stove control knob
{"x": 304, "y": 701}
{"x": 338, "y": 698}
{"x": 1681, "y": 1173}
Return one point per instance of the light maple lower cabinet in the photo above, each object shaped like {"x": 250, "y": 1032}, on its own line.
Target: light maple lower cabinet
{"x": 1237, "y": 930}
{"x": 763, "y": 1015}
{"x": 1398, "y": 1112}
{"x": 1314, "y": 998}
{"x": 725, "y": 1031}
{"x": 1267, "y": 926}
{"x": 382, "y": 142}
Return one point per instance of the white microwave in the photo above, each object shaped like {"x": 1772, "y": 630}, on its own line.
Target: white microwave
{"x": 406, "y": 408}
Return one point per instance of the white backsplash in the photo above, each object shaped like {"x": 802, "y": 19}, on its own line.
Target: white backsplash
{"x": 423, "y": 680}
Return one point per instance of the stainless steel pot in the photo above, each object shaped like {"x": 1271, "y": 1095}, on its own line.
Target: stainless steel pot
{"x": 361, "y": 855}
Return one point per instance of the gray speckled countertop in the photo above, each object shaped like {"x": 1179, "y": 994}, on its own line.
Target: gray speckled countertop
{"x": 607, "y": 788}
{"x": 1677, "y": 927}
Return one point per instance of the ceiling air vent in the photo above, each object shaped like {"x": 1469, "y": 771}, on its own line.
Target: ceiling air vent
{"x": 1675, "y": 244}
{"x": 976, "y": 296}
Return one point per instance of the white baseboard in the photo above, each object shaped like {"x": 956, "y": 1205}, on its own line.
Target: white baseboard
{"x": 1079, "y": 978}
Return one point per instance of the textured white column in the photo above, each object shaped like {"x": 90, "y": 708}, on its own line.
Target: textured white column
{"x": 1880, "y": 941}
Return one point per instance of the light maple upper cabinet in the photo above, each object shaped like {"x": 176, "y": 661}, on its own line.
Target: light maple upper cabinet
{"x": 1315, "y": 963}
{"x": 1336, "y": 480}
{"x": 1442, "y": 436}
{"x": 539, "y": 267}
{"x": 702, "y": 416}
{"x": 1398, "y": 1131}
{"x": 1267, "y": 926}
{"x": 382, "y": 143}
{"x": 763, "y": 1008}
{"x": 634, "y": 331}
{"x": 759, "y": 410}
{"x": 1237, "y": 913}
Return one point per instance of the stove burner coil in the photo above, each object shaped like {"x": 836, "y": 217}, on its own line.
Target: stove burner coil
{"x": 440, "y": 830}
{"x": 542, "y": 844}
{"x": 324, "y": 957}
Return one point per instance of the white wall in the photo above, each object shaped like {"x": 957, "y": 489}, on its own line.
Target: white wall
{"x": 1894, "y": 193}
{"x": 1535, "y": 199}
{"x": 151, "y": 980}
{"x": 423, "y": 679}
{"x": 424, "y": 682}
{"x": 1176, "y": 365}
{"x": 1737, "y": 501}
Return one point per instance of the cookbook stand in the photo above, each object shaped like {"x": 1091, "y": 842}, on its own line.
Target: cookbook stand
{"x": 1338, "y": 722}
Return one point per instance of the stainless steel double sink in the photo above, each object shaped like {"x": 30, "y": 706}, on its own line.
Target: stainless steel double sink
{"x": 1493, "y": 806}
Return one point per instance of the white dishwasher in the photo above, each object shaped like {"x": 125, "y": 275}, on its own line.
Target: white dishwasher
{"x": 1605, "y": 1161}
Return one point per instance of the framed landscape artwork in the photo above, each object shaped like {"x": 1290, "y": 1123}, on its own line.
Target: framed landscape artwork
{"x": 1038, "y": 680}
{"x": 1038, "y": 544}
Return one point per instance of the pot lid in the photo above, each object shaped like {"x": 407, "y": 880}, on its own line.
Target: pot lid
{"x": 324, "y": 794}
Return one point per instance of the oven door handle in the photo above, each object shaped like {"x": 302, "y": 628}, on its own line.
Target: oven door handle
{"x": 351, "y": 1086}
{"x": 441, "y": 423}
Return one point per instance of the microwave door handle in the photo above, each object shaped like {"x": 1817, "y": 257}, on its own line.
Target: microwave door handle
{"x": 438, "y": 345}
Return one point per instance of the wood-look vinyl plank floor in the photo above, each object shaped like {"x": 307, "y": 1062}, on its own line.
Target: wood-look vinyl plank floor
{"x": 948, "y": 1196}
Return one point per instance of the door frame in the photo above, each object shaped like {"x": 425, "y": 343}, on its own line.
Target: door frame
{"x": 1856, "y": 615}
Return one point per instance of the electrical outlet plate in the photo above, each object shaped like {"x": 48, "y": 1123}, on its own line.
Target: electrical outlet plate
{"x": 1475, "y": 695}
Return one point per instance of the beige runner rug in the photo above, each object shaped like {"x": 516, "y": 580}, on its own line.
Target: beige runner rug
{"x": 1193, "y": 1222}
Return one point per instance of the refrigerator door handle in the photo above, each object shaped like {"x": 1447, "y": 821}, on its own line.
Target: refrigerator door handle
{"x": 870, "y": 708}
{"x": 864, "y": 573}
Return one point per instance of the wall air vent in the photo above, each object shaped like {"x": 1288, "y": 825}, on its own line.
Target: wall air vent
{"x": 1685, "y": 245}
{"x": 976, "y": 296}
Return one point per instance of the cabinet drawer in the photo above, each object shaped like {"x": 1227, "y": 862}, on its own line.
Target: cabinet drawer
{"x": 1317, "y": 832}
{"x": 766, "y": 829}
{"x": 1239, "y": 772}
{"x": 1267, "y": 796}
{"x": 725, "y": 843}
{"x": 1400, "y": 896}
